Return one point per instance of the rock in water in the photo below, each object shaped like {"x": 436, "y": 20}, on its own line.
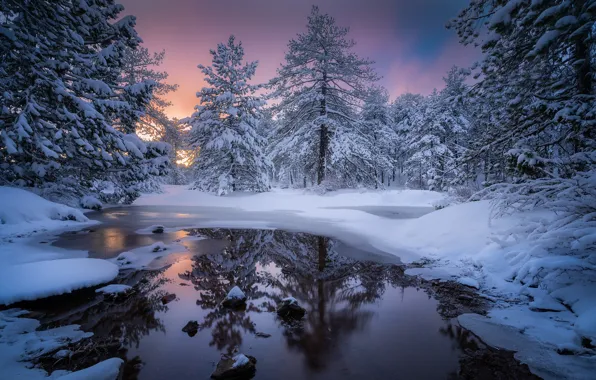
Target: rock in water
{"x": 235, "y": 298}
{"x": 168, "y": 298}
{"x": 238, "y": 367}
{"x": 158, "y": 230}
{"x": 191, "y": 328}
{"x": 289, "y": 308}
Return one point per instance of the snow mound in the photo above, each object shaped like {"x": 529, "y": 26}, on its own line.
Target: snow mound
{"x": 106, "y": 370}
{"x": 30, "y": 281}
{"x": 235, "y": 294}
{"x": 21, "y": 207}
{"x": 114, "y": 289}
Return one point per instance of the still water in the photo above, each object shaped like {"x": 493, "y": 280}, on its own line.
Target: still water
{"x": 365, "y": 319}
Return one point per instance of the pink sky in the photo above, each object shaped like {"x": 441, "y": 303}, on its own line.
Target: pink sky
{"x": 412, "y": 49}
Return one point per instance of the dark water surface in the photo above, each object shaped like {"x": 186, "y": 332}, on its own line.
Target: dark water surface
{"x": 365, "y": 319}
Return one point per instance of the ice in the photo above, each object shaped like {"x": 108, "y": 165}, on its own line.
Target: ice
{"x": 114, "y": 289}
{"x": 235, "y": 293}
{"x": 41, "y": 279}
{"x": 239, "y": 360}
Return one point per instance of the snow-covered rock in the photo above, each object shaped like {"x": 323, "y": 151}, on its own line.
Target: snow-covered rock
{"x": 235, "y": 298}
{"x": 30, "y": 281}
{"x": 238, "y": 367}
{"x": 289, "y": 308}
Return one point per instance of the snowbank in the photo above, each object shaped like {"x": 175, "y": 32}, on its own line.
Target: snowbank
{"x": 22, "y": 211}
{"x": 41, "y": 279}
{"x": 295, "y": 200}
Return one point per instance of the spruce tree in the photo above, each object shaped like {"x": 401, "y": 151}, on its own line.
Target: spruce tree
{"x": 225, "y": 126}
{"x": 62, "y": 102}
{"x": 320, "y": 87}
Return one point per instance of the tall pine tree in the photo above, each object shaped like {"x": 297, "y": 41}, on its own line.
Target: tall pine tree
{"x": 225, "y": 126}
{"x": 319, "y": 86}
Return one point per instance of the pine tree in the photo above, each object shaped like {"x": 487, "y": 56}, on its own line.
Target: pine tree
{"x": 225, "y": 126}
{"x": 320, "y": 84}
{"x": 377, "y": 126}
{"x": 406, "y": 111}
{"x": 62, "y": 103}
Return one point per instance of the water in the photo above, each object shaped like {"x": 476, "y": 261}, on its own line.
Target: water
{"x": 365, "y": 319}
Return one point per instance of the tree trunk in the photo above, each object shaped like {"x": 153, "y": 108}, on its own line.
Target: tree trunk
{"x": 323, "y": 138}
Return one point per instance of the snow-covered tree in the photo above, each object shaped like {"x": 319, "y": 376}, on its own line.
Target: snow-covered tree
{"x": 225, "y": 125}
{"x": 319, "y": 87}
{"x": 378, "y": 127}
{"x": 538, "y": 75}
{"x": 435, "y": 136}
{"x": 405, "y": 112}
{"x": 62, "y": 102}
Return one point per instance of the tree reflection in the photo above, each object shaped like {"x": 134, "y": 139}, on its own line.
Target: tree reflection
{"x": 270, "y": 265}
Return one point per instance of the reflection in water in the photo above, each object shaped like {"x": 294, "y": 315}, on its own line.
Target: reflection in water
{"x": 332, "y": 288}
{"x": 364, "y": 320}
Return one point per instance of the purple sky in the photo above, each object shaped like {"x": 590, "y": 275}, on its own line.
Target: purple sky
{"x": 406, "y": 38}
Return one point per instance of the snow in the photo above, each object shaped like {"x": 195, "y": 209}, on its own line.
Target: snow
{"x": 290, "y": 300}
{"x": 155, "y": 256}
{"x": 41, "y": 279}
{"x": 106, "y": 370}
{"x": 20, "y": 342}
{"x": 114, "y": 289}
{"x": 235, "y": 293}
{"x": 240, "y": 360}
{"x": 467, "y": 281}
{"x": 282, "y": 199}
{"x": 22, "y": 211}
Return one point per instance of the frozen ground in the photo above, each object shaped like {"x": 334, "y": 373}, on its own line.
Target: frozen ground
{"x": 543, "y": 303}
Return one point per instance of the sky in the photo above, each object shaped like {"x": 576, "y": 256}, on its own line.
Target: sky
{"x": 406, "y": 38}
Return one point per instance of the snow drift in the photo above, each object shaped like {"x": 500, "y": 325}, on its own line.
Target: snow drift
{"x": 30, "y": 281}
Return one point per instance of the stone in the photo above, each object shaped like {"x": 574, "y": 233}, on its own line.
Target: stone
{"x": 191, "y": 328}
{"x": 168, "y": 298}
{"x": 235, "y": 299}
{"x": 158, "y": 230}
{"x": 238, "y": 367}
{"x": 289, "y": 308}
